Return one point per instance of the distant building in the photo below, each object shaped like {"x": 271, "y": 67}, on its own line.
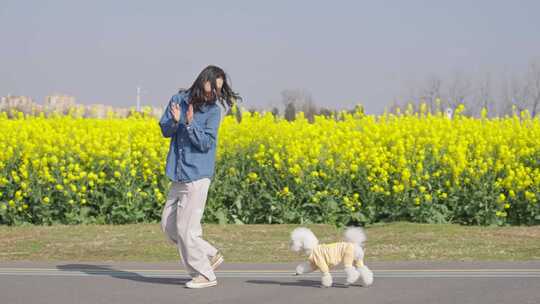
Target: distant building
{"x": 12, "y": 101}
{"x": 66, "y": 104}
{"x": 20, "y": 103}
{"x": 59, "y": 103}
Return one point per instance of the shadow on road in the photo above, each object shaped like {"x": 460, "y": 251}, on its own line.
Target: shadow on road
{"x": 299, "y": 283}
{"x": 119, "y": 274}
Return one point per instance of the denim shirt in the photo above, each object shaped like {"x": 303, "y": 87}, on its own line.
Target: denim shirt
{"x": 192, "y": 151}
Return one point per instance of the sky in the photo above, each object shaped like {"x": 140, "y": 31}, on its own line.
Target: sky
{"x": 342, "y": 52}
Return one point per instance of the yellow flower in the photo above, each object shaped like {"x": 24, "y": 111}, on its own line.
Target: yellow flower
{"x": 500, "y": 214}
{"x": 385, "y": 154}
{"x": 253, "y": 176}
{"x": 46, "y": 200}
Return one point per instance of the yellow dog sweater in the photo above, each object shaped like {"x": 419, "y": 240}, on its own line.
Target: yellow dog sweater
{"x": 326, "y": 256}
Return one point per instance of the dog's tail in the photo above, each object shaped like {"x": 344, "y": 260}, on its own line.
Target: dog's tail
{"x": 355, "y": 235}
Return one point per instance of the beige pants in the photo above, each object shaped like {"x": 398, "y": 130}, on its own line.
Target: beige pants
{"x": 181, "y": 222}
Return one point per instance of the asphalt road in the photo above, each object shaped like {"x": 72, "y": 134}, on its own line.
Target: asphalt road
{"x": 398, "y": 282}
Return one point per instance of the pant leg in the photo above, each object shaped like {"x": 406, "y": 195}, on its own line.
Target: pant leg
{"x": 169, "y": 225}
{"x": 202, "y": 187}
{"x": 189, "y": 215}
{"x": 168, "y": 215}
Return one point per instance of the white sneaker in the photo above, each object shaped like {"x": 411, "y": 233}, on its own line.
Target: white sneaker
{"x": 200, "y": 282}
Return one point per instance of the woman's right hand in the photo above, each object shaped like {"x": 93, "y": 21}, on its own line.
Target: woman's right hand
{"x": 175, "y": 112}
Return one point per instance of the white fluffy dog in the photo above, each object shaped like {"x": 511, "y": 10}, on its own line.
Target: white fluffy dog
{"x": 322, "y": 257}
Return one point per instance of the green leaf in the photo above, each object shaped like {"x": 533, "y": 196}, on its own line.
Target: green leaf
{"x": 221, "y": 217}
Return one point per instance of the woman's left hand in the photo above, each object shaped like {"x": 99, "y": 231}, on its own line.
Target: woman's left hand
{"x": 189, "y": 114}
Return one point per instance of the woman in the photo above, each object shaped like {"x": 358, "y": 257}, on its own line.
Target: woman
{"x": 192, "y": 120}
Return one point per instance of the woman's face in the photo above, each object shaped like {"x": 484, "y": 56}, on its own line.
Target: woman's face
{"x": 208, "y": 86}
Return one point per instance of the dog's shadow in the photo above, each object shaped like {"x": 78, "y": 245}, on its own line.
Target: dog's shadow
{"x": 105, "y": 270}
{"x": 299, "y": 283}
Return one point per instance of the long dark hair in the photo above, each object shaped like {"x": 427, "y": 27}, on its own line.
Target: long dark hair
{"x": 226, "y": 94}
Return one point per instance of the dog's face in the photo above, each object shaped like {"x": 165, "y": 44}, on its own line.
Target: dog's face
{"x": 296, "y": 245}
{"x": 302, "y": 239}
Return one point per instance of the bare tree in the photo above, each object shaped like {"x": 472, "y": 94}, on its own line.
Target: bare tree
{"x": 484, "y": 94}
{"x": 515, "y": 92}
{"x": 533, "y": 85}
{"x": 275, "y": 111}
{"x": 326, "y": 112}
{"x": 299, "y": 99}
{"x": 519, "y": 93}
{"x": 498, "y": 93}
{"x": 290, "y": 111}
{"x": 431, "y": 92}
{"x": 394, "y": 106}
{"x": 297, "y": 96}
{"x": 310, "y": 110}
{"x": 459, "y": 89}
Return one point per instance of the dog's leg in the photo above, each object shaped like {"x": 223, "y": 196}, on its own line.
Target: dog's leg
{"x": 305, "y": 267}
{"x": 366, "y": 275}
{"x": 326, "y": 279}
{"x": 352, "y": 274}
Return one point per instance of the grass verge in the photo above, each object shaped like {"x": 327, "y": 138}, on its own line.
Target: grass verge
{"x": 268, "y": 243}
